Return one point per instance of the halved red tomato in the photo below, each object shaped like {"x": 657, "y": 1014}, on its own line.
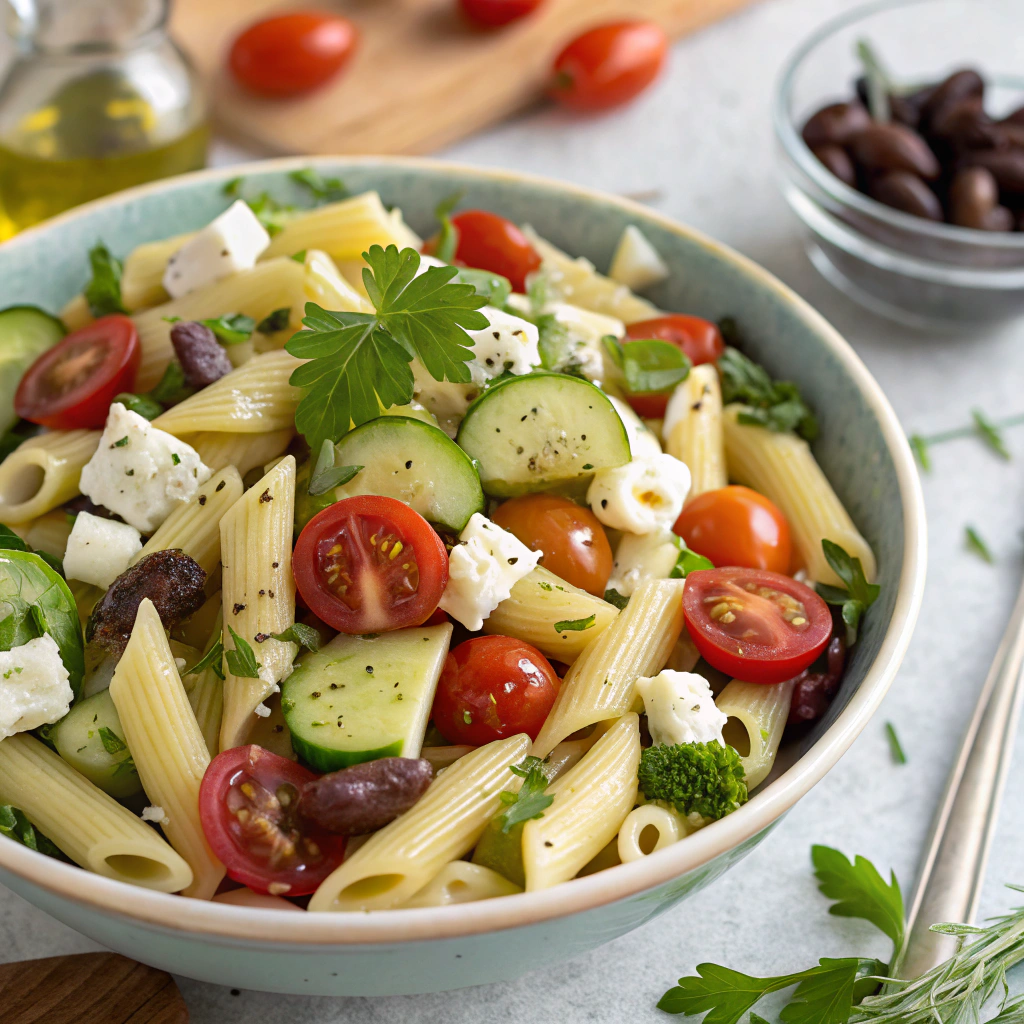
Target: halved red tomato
{"x": 248, "y": 806}
{"x": 369, "y": 564}
{"x": 755, "y": 625}
{"x": 490, "y": 242}
{"x": 71, "y": 385}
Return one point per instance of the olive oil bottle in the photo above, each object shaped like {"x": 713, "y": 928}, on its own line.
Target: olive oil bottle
{"x": 98, "y": 99}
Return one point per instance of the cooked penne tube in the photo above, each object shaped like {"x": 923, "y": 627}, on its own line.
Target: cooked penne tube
{"x": 219, "y": 450}
{"x": 783, "y": 469}
{"x": 541, "y": 599}
{"x": 591, "y": 801}
{"x": 442, "y": 757}
{"x": 165, "y": 743}
{"x": 601, "y": 684}
{"x": 43, "y": 472}
{"x": 257, "y": 900}
{"x": 93, "y": 829}
{"x": 757, "y": 718}
{"x": 648, "y": 828}
{"x": 206, "y": 695}
{"x": 693, "y": 429}
{"x": 142, "y": 277}
{"x": 258, "y": 593}
{"x": 76, "y": 313}
{"x": 395, "y": 863}
{"x": 461, "y": 882}
{"x": 324, "y": 285}
{"x": 49, "y": 533}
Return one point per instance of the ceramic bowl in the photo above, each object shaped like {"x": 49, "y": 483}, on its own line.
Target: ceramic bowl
{"x": 863, "y": 451}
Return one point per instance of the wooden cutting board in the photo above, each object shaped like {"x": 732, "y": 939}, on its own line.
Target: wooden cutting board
{"x": 421, "y": 77}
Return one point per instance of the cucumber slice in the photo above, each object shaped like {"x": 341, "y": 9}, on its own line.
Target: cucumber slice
{"x": 415, "y": 462}
{"x": 90, "y": 738}
{"x": 26, "y": 332}
{"x": 542, "y": 431}
{"x": 360, "y": 698}
{"x": 502, "y": 851}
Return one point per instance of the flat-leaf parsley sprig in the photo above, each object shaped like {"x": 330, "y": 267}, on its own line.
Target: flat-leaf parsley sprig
{"x": 359, "y": 362}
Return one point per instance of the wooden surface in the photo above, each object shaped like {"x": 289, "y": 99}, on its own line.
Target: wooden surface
{"x": 422, "y": 77}
{"x": 88, "y": 988}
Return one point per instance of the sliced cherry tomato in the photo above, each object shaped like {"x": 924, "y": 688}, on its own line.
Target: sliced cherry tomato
{"x": 490, "y": 242}
{"x": 758, "y": 626}
{"x": 492, "y": 687}
{"x": 699, "y": 339}
{"x": 609, "y": 65}
{"x": 493, "y": 13}
{"x": 573, "y": 541}
{"x": 71, "y": 385}
{"x": 248, "y": 806}
{"x": 289, "y": 54}
{"x": 369, "y": 564}
{"x": 736, "y": 526}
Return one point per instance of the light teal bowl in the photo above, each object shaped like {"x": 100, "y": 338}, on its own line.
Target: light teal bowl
{"x": 862, "y": 448}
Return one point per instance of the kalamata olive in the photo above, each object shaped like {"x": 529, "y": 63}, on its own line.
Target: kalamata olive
{"x": 202, "y": 358}
{"x": 366, "y": 796}
{"x": 893, "y": 147}
{"x": 960, "y": 85}
{"x": 964, "y": 125}
{"x": 1007, "y": 135}
{"x": 1006, "y": 165}
{"x": 1014, "y": 117}
{"x": 973, "y": 194}
{"x": 838, "y": 161}
{"x": 907, "y": 192}
{"x": 814, "y": 690}
{"x": 835, "y": 124}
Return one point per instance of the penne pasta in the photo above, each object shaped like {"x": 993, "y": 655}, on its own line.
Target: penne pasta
{"x": 218, "y": 450}
{"x": 76, "y": 313}
{"x": 142, "y": 276}
{"x": 93, "y": 829}
{"x": 693, "y": 429}
{"x": 398, "y": 861}
{"x": 783, "y": 469}
{"x": 258, "y": 593}
{"x": 49, "y": 533}
{"x": 648, "y": 828}
{"x": 757, "y": 718}
{"x": 206, "y": 694}
{"x": 165, "y": 743}
{"x": 461, "y": 882}
{"x": 591, "y": 800}
{"x": 324, "y": 285}
{"x": 601, "y": 684}
{"x": 43, "y": 472}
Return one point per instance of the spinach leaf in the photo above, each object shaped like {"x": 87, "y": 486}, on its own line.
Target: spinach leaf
{"x": 15, "y": 825}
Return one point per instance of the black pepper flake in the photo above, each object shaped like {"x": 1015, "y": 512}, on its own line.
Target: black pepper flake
{"x": 238, "y": 608}
{"x": 202, "y": 499}
{"x": 221, "y": 485}
{"x": 278, "y": 727}
{"x": 266, "y": 496}
{"x": 369, "y": 670}
{"x": 260, "y": 637}
{"x": 270, "y": 593}
{"x": 314, "y": 695}
{"x": 604, "y": 503}
{"x": 408, "y": 465}
{"x": 262, "y": 592}
{"x": 547, "y": 842}
{"x": 696, "y": 406}
{"x": 512, "y": 561}
{"x": 274, "y": 565}
{"x": 334, "y": 686}
{"x": 396, "y": 686}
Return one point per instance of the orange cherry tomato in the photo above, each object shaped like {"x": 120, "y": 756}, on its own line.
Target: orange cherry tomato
{"x": 736, "y": 526}
{"x": 289, "y": 54}
{"x": 573, "y": 541}
{"x": 699, "y": 339}
{"x": 608, "y": 65}
{"x": 494, "y": 13}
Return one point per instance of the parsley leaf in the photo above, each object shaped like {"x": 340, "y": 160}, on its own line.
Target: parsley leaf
{"x": 858, "y": 596}
{"x": 448, "y": 238}
{"x": 145, "y": 405}
{"x": 726, "y": 993}
{"x": 576, "y": 625}
{"x": 989, "y": 433}
{"x": 649, "y": 364}
{"x": 531, "y": 801}
{"x": 15, "y": 825}
{"x": 895, "y": 747}
{"x": 773, "y": 404}
{"x": 231, "y": 328}
{"x": 171, "y": 387}
{"x": 112, "y": 743}
{"x": 493, "y": 287}
{"x": 211, "y": 659}
{"x": 323, "y": 190}
{"x": 612, "y": 596}
{"x": 326, "y": 475}
{"x": 103, "y": 292}
{"x": 687, "y": 562}
{"x": 297, "y": 633}
{"x": 270, "y": 213}
{"x": 241, "y": 661}
{"x": 977, "y": 545}
{"x": 919, "y": 445}
{"x": 359, "y": 362}
{"x": 275, "y": 321}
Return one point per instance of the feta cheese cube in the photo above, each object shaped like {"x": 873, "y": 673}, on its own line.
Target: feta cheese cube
{"x": 645, "y": 556}
{"x": 680, "y": 708}
{"x": 483, "y": 569}
{"x": 644, "y": 495}
{"x": 229, "y": 243}
{"x": 99, "y": 550}
{"x": 34, "y": 687}
{"x": 141, "y": 472}
{"x": 642, "y": 442}
{"x": 636, "y": 262}
{"x": 509, "y": 343}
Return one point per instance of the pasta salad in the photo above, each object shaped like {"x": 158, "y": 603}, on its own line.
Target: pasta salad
{"x": 341, "y": 570}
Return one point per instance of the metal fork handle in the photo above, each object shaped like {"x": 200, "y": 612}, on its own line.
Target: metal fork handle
{"x": 953, "y": 868}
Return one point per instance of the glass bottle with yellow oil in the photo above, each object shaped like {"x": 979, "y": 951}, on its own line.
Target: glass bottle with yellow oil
{"x": 97, "y": 98}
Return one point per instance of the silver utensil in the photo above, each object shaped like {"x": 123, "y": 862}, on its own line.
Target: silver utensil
{"x": 953, "y": 869}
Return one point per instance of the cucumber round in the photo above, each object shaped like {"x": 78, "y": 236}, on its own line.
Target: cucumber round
{"x": 26, "y": 332}
{"x": 542, "y": 431}
{"x": 417, "y": 463}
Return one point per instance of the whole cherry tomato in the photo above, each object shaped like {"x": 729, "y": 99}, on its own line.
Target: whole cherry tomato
{"x": 494, "y": 13}
{"x": 608, "y": 65}
{"x": 289, "y": 54}
{"x": 490, "y": 242}
{"x": 71, "y": 385}
{"x": 573, "y": 541}
{"x": 736, "y": 526}
{"x": 492, "y": 687}
{"x": 761, "y": 627}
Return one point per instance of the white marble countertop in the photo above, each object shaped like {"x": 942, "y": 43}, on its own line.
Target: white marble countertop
{"x": 702, "y": 138}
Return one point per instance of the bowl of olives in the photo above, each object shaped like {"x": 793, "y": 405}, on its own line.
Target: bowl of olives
{"x": 900, "y": 128}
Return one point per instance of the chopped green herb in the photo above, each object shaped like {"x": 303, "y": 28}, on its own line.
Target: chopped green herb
{"x": 299, "y": 257}
{"x": 575, "y": 625}
{"x": 977, "y": 545}
{"x": 323, "y": 190}
{"x": 687, "y": 562}
{"x": 103, "y": 292}
{"x": 14, "y": 824}
{"x": 297, "y": 633}
{"x": 10, "y": 541}
{"x": 144, "y": 405}
{"x": 242, "y": 661}
{"x": 648, "y": 365}
{"x": 895, "y": 747}
{"x": 211, "y": 659}
{"x": 270, "y": 213}
{"x": 276, "y": 321}
{"x": 231, "y": 328}
{"x": 493, "y": 287}
{"x": 919, "y": 445}
{"x": 171, "y": 388}
{"x": 612, "y": 596}
{"x": 989, "y": 433}
{"x": 448, "y": 238}
{"x": 112, "y": 743}
{"x": 858, "y": 596}
{"x": 175, "y": 459}
{"x": 326, "y": 475}
{"x": 531, "y": 801}
{"x": 121, "y": 442}
{"x": 16, "y": 436}
{"x": 879, "y": 84}
{"x": 545, "y": 586}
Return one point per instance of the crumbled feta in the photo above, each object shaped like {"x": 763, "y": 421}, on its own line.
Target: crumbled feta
{"x": 34, "y": 687}
{"x": 141, "y": 472}
{"x": 642, "y": 441}
{"x": 642, "y": 557}
{"x": 680, "y": 708}
{"x": 99, "y": 550}
{"x": 446, "y": 401}
{"x": 642, "y": 496}
{"x": 156, "y": 814}
{"x": 483, "y": 569}
{"x": 261, "y": 710}
{"x": 636, "y": 263}
{"x": 229, "y": 243}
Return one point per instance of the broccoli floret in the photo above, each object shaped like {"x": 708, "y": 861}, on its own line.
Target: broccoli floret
{"x": 702, "y": 777}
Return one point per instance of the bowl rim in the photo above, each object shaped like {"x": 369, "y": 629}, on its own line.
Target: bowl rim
{"x": 800, "y": 153}
{"x": 274, "y": 928}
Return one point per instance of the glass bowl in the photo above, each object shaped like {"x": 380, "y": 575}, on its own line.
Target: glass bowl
{"x": 919, "y": 272}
